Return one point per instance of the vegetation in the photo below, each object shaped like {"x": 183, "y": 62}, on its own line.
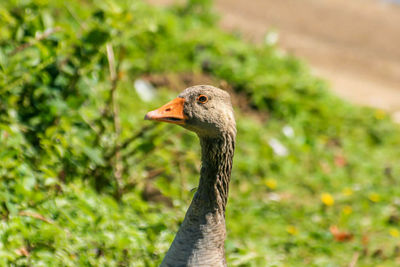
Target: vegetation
{"x": 84, "y": 181}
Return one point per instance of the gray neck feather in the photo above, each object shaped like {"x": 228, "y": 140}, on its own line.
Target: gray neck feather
{"x": 201, "y": 237}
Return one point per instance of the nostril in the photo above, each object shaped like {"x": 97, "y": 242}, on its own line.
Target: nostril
{"x": 168, "y": 109}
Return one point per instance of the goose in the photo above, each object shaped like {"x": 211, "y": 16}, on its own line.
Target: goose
{"x": 207, "y": 111}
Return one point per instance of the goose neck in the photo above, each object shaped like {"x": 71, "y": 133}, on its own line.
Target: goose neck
{"x": 217, "y": 159}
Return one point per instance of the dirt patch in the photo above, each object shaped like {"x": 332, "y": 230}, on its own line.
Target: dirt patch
{"x": 355, "y": 44}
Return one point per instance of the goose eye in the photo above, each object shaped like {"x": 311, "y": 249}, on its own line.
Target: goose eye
{"x": 202, "y": 99}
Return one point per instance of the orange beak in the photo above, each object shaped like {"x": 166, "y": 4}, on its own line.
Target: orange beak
{"x": 171, "y": 112}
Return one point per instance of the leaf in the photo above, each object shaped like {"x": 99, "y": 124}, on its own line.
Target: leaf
{"x": 97, "y": 37}
{"x": 340, "y": 236}
{"x": 23, "y": 251}
{"x": 94, "y": 154}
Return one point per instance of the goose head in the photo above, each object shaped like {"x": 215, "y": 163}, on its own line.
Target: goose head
{"x": 203, "y": 109}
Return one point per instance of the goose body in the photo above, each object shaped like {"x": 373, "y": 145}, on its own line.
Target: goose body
{"x": 207, "y": 111}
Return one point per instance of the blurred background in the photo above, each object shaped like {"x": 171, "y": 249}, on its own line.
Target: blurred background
{"x": 353, "y": 44}
{"x": 85, "y": 181}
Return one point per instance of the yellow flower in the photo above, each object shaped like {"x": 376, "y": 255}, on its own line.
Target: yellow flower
{"x": 347, "y": 191}
{"x": 380, "y": 114}
{"x": 327, "y": 199}
{"x": 374, "y": 197}
{"x": 271, "y": 183}
{"x": 394, "y": 232}
{"x": 347, "y": 210}
{"x": 292, "y": 230}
